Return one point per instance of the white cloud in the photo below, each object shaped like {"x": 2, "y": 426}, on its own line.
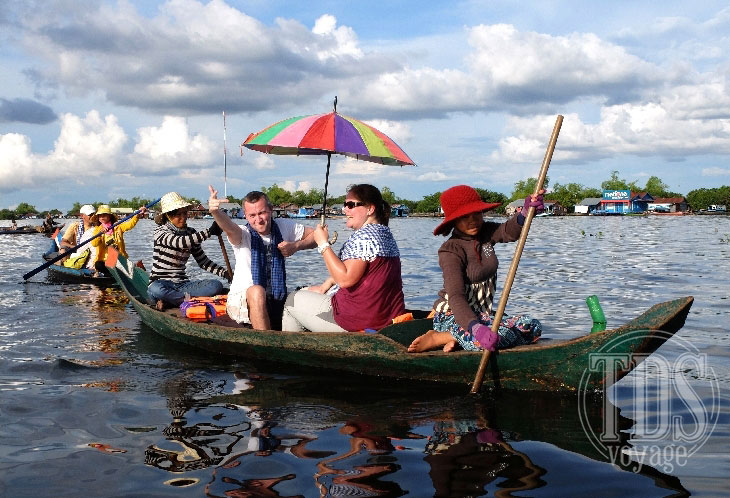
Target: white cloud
{"x": 16, "y": 161}
{"x": 715, "y": 171}
{"x": 292, "y": 186}
{"x": 192, "y": 57}
{"x": 397, "y": 131}
{"x": 288, "y": 185}
{"x": 91, "y": 147}
{"x": 647, "y": 129}
{"x": 431, "y": 176}
{"x": 171, "y": 146}
{"x": 342, "y": 39}
{"x": 86, "y": 148}
{"x": 263, "y": 161}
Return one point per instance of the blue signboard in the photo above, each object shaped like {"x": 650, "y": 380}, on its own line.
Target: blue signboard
{"x": 616, "y": 195}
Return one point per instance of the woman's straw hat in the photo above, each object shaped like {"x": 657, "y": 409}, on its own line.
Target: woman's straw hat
{"x": 172, "y": 201}
{"x": 105, "y": 209}
{"x": 459, "y": 201}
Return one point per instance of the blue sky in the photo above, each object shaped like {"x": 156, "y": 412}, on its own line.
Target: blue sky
{"x": 100, "y": 100}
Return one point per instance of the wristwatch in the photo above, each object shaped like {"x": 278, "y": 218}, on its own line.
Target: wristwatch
{"x": 323, "y": 247}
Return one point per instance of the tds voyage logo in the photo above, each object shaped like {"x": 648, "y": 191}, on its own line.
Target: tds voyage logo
{"x": 672, "y": 420}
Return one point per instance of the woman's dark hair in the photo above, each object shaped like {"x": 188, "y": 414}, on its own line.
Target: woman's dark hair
{"x": 371, "y": 196}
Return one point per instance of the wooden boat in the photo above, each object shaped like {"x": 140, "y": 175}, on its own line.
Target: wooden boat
{"x": 58, "y": 273}
{"x": 549, "y": 365}
{"x": 27, "y": 230}
{"x": 24, "y": 230}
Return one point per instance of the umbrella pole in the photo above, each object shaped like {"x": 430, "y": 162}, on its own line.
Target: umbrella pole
{"x": 326, "y": 182}
{"x": 333, "y": 238}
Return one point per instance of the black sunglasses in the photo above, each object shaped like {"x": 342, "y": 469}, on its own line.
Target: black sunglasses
{"x": 353, "y": 204}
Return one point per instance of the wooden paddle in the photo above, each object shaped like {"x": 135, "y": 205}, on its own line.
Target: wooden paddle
{"x": 518, "y": 253}
{"x": 61, "y": 256}
{"x": 225, "y": 258}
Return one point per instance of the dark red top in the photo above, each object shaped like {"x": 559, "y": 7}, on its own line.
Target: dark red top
{"x": 374, "y": 301}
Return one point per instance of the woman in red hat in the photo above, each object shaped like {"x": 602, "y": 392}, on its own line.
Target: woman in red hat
{"x": 469, "y": 265}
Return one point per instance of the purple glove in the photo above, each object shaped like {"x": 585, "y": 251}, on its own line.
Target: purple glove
{"x": 484, "y": 336}
{"x": 489, "y": 436}
{"x": 537, "y": 204}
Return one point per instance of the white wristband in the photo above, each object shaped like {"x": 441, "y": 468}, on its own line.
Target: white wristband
{"x": 323, "y": 247}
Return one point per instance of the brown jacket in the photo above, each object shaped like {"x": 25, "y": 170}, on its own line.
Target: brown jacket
{"x": 469, "y": 262}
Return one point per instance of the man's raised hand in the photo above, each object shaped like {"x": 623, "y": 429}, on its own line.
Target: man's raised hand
{"x": 213, "y": 201}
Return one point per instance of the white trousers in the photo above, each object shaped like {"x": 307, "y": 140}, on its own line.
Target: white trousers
{"x": 307, "y": 310}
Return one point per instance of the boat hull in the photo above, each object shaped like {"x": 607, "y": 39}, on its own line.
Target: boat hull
{"x": 549, "y": 365}
{"x": 58, "y": 273}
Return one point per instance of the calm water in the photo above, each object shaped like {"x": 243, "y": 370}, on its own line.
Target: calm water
{"x": 94, "y": 403}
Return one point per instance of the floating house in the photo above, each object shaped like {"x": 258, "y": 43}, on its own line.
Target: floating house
{"x": 399, "y": 211}
{"x": 303, "y": 212}
{"x": 617, "y": 202}
{"x": 121, "y": 211}
{"x": 232, "y": 209}
{"x": 552, "y": 208}
{"x": 668, "y": 205}
{"x": 587, "y": 205}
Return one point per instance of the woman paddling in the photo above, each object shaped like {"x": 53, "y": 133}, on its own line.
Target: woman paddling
{"x": 113, "y": 236}
{"x": 367, "y": 272}
{"x": 469, "y": 265}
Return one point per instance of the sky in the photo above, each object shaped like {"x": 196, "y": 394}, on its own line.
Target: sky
{"x": 101, "y": 100}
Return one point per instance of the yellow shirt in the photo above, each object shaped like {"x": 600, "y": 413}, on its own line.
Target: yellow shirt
{"x": 116, "y": 239}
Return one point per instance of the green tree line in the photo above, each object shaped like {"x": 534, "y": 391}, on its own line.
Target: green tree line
{"x": 568, "y": 194}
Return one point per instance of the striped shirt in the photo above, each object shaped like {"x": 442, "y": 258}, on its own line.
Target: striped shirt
{"x": 172, "y": 250}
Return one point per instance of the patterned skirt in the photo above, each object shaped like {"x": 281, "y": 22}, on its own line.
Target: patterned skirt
{"x": 513, "y": 331}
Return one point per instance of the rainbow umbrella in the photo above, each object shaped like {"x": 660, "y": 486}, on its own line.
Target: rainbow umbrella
{"x": 332, "y": 133}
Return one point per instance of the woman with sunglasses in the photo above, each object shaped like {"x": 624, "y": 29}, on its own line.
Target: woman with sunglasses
{"x": 364, "y": 290}
{"x": 174, "y": 242}
{"x": 462, "y": 312}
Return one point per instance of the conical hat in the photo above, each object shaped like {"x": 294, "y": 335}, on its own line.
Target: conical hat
{"x": 172, "y": 201}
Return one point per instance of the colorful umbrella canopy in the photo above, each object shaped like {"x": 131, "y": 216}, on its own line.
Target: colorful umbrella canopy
{"x": 330, "y": 133}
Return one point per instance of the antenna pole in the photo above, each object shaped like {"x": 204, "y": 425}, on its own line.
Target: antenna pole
{"x": 225, "y": 159}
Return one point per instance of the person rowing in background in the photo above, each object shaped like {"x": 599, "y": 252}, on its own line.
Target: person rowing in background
{"x": 76, "y": 234}
{"x": 174, "y": 242}
{"x": 113, "y": 235}
{"x": 462, "y": 312}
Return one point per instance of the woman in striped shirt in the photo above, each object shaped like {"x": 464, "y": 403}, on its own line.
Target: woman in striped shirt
{"x": 174, "y": 242}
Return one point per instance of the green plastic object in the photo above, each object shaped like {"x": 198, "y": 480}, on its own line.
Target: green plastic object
{"x": 599, "y": 319}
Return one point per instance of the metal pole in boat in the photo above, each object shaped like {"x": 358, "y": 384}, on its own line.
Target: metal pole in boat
{"x": 225, "y": 159}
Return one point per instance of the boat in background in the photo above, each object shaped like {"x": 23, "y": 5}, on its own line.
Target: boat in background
{"x": 63, "y": 274}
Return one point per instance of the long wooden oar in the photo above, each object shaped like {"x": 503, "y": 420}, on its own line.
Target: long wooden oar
{"x": 61, "y": 256}
{"x": 518, "y": 253}
{"x": 225, "y": 258}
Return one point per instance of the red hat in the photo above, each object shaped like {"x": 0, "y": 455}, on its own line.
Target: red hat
{"x": 459, "y": 201}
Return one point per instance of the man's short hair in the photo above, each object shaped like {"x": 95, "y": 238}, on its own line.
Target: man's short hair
{"x": 255, "y": 196}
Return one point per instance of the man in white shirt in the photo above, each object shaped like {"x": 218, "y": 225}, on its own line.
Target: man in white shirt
{"x": 258, "y": 290}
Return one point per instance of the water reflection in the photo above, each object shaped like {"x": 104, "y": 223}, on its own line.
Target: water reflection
{"x": 274, "y": 436}
{"x": 464, "y": 457}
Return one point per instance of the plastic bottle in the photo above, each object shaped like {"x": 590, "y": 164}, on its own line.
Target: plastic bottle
{"x": 599, "y": 319}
